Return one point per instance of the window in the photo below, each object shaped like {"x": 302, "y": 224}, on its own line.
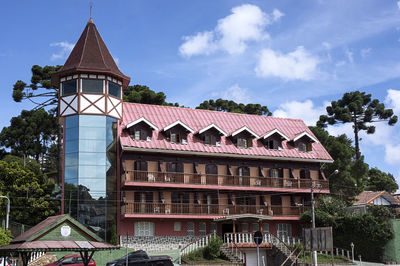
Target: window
{"x": 304, "y": 147}
{"x": 245, "y": 228}
{"x": 244, "y": 171}
{"x": 175, "y": 137}
{"x": 271, "y": 144}
{"x": 69, "y": 87}
{"x": 137, "y": 134}
{"x": 265, "y": 228}
{"x": 92, "y": 86}
{"x": 255, "y": 227}
{"x": 202, "y": 229}
{"x": 274, "y": 173}
{"x": 210, "y": 139}
{"x": 144, "y": 229}
{"x": 177, "y": 226}
{"x": 190, "y": 228}
{"x": 304, "y": 174}
{"x": 114, "y": 89}
{"x": 283, "y": 230}
{"x": 244, "y": 143}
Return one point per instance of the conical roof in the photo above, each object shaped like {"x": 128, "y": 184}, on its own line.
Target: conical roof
{"x": 90, "y": 55}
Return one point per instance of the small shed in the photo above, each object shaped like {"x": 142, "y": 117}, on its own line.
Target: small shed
{"x": 56, "y": 233}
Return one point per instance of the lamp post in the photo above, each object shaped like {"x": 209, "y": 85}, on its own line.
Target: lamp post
{"x": 8, "y": 210}
{"x": 352, "y": 251}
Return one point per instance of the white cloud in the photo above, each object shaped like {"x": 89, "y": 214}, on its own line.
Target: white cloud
{"x": 365, "y": 52}
{"x": 349, "y": 55}
{"x": 237, "y": 94}
{"x": 326, "y": 45}
{"x": 393, "y": 100}
{"x": 398, "y": 4}
{"x": 66, "y": 48}
{"x": 201, "y": 43}
{"x": 392, "y": 154}
{"x": 340, "y": 63}
{"x": 246, "y": 23}
{"x": 299, "y": 64}
{"x": 305, "y": 111}
{"x": 276, "y": 14}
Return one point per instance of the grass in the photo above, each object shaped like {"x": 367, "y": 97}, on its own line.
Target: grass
{"x": 323, "y": 258}
{"x": 197, "y": 257}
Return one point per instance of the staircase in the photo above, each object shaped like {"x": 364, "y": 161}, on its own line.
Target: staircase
{"x": 233, "y": 257}
{"x": 282, "y": 247}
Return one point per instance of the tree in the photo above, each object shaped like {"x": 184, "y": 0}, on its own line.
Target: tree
{"x": 39, "y": 91}
{"x": 350, "y": 179}
{"x": 29, "y": 192}
{"x": 143, "y": 94}
{"x": 357, "y": 108}
{"x": 231, "y": 106}
{"x": 379, "y": 181}
{"x": 30, "y": 133}
{"x": 5, "y": 237}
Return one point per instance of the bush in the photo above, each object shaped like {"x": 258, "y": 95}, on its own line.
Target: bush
{"x": 213, "y": 250}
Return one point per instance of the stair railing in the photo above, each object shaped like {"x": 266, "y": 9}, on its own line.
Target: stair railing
{"x": 196, "y": 244}
{"x": 238, "y": 252}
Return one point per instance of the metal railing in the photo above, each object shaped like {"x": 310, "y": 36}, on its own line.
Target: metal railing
{"x": 131, "y": 207}
{"x": 221, "y": 180}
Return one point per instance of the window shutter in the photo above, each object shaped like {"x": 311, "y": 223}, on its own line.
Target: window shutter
{"x": 249, "y": 142}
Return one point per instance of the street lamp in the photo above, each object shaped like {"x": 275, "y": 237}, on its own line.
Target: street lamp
{"x": 8, "y": 210}
{"x": 352, "y": 251}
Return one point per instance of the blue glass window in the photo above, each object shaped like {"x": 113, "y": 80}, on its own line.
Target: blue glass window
{"x": 72, "y": 121}
{"x": 92, "y": 121}
{"x": 92, "y": 158}
{"x": 114, "y": 89}
{"x": 92, "y": 86}
{"x": 69, "y": 87}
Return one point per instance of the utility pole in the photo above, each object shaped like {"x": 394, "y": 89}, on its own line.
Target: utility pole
{"x": 313, "y": 218}
{"x": 8, "y": 210}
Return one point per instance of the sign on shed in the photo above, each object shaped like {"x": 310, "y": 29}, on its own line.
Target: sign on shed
{"x": 318, "y": 239}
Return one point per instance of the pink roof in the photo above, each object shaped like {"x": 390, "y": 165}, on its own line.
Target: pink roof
{"x": 162, "y": 116}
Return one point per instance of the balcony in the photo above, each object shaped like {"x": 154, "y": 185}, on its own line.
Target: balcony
{"x": 215, "y": 210}
{"x": 222, "y": 181}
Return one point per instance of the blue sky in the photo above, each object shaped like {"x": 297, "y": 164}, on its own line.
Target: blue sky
{"x": 293, "y": 56}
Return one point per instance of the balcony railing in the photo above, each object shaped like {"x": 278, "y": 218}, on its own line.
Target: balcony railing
{"x": 209, "y": 209}
{"x": 222, "y": 180}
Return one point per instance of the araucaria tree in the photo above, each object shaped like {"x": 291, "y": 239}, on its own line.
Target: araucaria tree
{"x": 359, "y": 109}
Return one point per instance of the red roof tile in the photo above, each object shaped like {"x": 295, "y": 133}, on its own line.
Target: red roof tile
{"x": 162, "y": 116}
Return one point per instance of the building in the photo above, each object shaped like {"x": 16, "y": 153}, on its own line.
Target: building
{"x": 169, "y": 174}
{"x": 373, "y": 198}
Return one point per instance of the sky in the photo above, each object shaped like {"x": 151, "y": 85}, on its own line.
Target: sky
{"x": 295, "y": 57}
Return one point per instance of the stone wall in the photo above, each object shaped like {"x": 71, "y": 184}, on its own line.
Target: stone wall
{"x": 149, "y": 243}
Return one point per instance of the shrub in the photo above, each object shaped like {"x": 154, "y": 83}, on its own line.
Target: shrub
{"x": 213, "y": 250}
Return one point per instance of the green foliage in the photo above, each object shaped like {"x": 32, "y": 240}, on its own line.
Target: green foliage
{"x": 5, "y": 237}
{"x": 213, "y": 249}
{"x": 143, "y": 94}
{"x": 231, "y": 106}
{"x": 372, "y": 226}
{"x": 379, "y": 181}
{"x": 29, "y": 192}
{"x": 41, "y": 79}
{"x": 196, "y": 255}
{"x": 350, "y": 179}
{"x": 359, "y": 109}
{"x": 30, "y": 133}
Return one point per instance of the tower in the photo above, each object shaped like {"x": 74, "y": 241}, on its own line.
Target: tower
{"x": 90, "y": 106}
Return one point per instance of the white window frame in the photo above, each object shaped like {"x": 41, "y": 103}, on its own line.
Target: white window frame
{"x": 245, "y": 227}
{"x": 283, "y": 230}
{"x": 144, "y": 229}
{"x": 202, "y": 228}
{"x": 190, "y": 228}
{"x": 265, "y": 227}
{"x": 177, "y": 226}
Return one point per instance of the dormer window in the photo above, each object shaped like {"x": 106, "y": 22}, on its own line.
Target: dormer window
{"x": 303, "y": 142}
{"x": 273, "y": 139}
{"x": 243, "y": 137}
{"x": 211, "y": 135}
{"x": 177, "y": 132}
{"x": 141, "y": 129}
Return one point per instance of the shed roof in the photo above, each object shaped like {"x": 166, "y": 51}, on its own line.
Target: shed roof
{"x": 368, "y": 197}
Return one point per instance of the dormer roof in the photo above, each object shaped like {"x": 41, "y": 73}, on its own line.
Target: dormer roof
{"x": 276, "y": 131}
{"x": 142, "y": 119}
{"x": 304, "y": 134}
{"x": 244, "y": 128}
{"x": 213, "y": 126}
{"x": 178, "y": 122}
{"x": 90, "y": 55}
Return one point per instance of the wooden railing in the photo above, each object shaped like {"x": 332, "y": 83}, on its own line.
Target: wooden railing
{"x": 221, "y": 180}
{"x": 130, "y": 207}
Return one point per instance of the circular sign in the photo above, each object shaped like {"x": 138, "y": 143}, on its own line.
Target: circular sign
{"x": 65, "y": 230}
{"x": 258, "y": 237}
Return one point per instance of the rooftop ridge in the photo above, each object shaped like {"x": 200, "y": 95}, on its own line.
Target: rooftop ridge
{"x": 213, "y": 111}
